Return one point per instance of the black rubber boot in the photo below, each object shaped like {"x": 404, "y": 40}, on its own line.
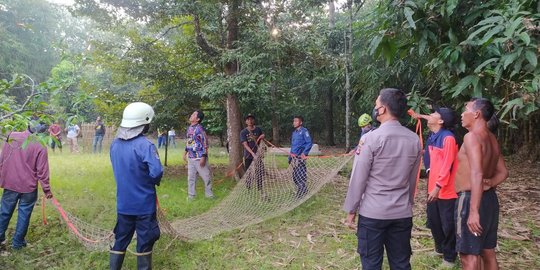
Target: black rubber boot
{"x": 144, "y": 262}
{"x": 116, "y": 261}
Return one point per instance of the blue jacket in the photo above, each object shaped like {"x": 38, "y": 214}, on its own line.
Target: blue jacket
{"x": 137, "y": 170}
{"x": 301, "y": 141}
{"x": 435, "y": 140}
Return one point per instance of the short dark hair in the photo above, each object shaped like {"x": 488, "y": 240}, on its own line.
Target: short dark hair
{"x": 200, "y": 115}
{"x": 299, "y": 117}
{"x": 394, "y": 100}
{"x": 485, "y": 107}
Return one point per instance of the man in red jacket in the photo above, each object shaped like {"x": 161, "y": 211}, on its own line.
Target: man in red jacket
{"x": 21, "y": 168}
{"x": 440, "y": 161}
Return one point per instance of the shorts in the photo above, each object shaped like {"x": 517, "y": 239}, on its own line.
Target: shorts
{"x": 466, "y": 242}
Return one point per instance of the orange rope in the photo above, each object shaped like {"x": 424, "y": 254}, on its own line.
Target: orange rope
{"x": 70, "y": 225}
{"x": 43, "y": 210}
{"x": 325, "y": 156}
{"x": 419, "y": 132}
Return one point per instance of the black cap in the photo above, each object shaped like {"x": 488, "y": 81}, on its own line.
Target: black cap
{"x": 448, "y": 116}
{"x": 249, "y": 116}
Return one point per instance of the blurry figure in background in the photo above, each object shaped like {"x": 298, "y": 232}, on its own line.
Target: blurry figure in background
{"x": 137, "y": 170}
{"x": 250, "y": 138}
{"x": 55, "y": 131}
{"x": 172, "y": 137}
{"x": 300, "y": 146}
{"x": 73, "y": 130}
{"x": 98, "y": 137}
{"x": 21, "y": 168}
{"x": 440, "y": 161}
{"x": 196, "y": 156}
{"x": 364, "y": 122}
{"x": 162, "y": 136}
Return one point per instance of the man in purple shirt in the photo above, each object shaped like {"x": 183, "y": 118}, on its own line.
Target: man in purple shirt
{"x": 21, "y": 168}
{"x": 382, "y": 186}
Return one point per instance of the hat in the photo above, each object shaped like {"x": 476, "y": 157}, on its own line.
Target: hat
{"x": 447, "y": 115}
{"x": 249, "y": 116}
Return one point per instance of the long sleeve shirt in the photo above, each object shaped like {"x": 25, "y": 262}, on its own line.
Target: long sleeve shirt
{"x": 197, "y": 142}
{"x": 137, "y": 170}
{"x": 21, "y": 168}
{"x": 441, "y": 160}
{"x": 383, "y": 179}
{"x": 301, "y": 141}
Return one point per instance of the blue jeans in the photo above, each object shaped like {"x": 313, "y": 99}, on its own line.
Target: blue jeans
{"x": 98, "y": 140}
{"x": 160, "y": 141}
{"x": 26, "y": 205}
{"x": 172, "y": 141}
{"x": 375, "y": 234}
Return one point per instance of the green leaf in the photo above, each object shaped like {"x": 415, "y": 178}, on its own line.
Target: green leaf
{"x": 525, "y": 38}
{"x": 491, "y": 20}
{"x": 463, "y": 84}
{"x": 408, "y": 15}
{"x": 487, "y": 62}
{"x": 508, "y": 59}
{"x": 495, "y": 30}
{"x": 511, "y": 104}
{"x": 531, "y": 57}
{"x": 475, "y": 33}
{"x": 374, "y": 44}
{"x": 454, "y": 56}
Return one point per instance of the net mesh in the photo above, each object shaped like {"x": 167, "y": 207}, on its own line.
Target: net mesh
{"x": 270, "y": 187}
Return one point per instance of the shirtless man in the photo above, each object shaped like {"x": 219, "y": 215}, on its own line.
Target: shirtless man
{"x": 481, "y": 168}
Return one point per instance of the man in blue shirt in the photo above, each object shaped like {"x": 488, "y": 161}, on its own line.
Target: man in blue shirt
{"x": 137, "y": 170}
{"x": 300, "y": 146}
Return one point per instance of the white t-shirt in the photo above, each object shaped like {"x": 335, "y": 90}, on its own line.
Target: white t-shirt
{"x": 172, "y": 132}
{"x": 72, "y": 131}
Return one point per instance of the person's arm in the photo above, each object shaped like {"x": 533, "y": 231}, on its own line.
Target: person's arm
{"x": 261, "y": 137}
{"x": 449, "y": 156}
{"x": 359, "y": 177}
{"x": 501, "y": 174}
{"x": 151, "y": 159}
{"x": 204, "y": 143}
{"x": 42, "y": 172}
{"x": 474, "y": 156}
{"x": 307, "y": 144}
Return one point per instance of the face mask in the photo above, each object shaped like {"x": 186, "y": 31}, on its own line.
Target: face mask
{"x": 375, "y": 114}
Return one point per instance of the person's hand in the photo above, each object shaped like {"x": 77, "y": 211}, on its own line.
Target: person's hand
{"x": 415, "y": 115}
{"x": 293, "y": 155}
{"x": 433, "y": 195}
{"x": 260, "y": 138}
{"x": 48, "y": 194}
{"x": 474, "y": 223}
{"x": 350, "y": 221}
{"x": 202, "y": 162}
{"x": 302, "y": 156}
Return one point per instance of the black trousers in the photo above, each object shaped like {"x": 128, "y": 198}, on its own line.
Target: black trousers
{"x": 440, "y": 219}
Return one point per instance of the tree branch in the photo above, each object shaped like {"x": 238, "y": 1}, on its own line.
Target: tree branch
{"x": 201, "y": 41}
{"x": 21, "y": 109}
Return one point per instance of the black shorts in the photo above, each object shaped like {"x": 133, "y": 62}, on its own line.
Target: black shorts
{"x": 466, "y": 242}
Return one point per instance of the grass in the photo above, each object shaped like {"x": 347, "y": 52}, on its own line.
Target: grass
{"x": 309, "y": 237}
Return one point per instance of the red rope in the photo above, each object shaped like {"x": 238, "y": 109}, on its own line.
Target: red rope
{"x": 70, "y": 225}
{"x": 419, "y": 132}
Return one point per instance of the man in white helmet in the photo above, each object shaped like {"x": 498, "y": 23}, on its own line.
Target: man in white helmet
{"x": 137, "y": 170}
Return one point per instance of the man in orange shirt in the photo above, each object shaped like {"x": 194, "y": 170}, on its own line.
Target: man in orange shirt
{"x": 440, "y": 160}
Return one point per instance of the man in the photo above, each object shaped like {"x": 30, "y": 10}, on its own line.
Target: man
{"x": 137, "y": 170}
{"x": 196, "y": 156}
{"x": 100, "y": 133}
{"x": 73, "y": 131}
{"x": 21, "y": 168}
{"x": 162, "y": 136}
{"x": 250, "y": 138}
{"x": 382, "y": 186}
{"x": 481, "y": 168}
{"x": 364, "y": 122}
{"x": 55, "y": 131}
{"x": 172, "y": 135}
{"x": 440, "y": 161}
{"x": 300, "y": 146}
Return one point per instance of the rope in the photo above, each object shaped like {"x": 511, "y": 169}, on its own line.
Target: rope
{"x": 419, "y": 133}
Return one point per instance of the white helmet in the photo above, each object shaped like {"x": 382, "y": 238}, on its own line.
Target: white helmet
{"x": 137, "y": 114}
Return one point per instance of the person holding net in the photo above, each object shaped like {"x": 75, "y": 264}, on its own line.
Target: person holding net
{"x": 250, "y": 138}
{"x": 300, "y": 146}
{"x": 137, "y": 170}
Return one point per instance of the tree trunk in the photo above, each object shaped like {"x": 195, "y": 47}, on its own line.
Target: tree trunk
{"x": 329, "y": 108}
{"x": 234, "y": 119}
{"x": 348, "y": 64}
{"x": 275, "y": 119}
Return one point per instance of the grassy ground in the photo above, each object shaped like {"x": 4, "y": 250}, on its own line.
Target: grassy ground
{"x": 309, "y": 237}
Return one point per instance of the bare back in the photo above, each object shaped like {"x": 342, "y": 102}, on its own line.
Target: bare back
{"x": 489, "y": 157}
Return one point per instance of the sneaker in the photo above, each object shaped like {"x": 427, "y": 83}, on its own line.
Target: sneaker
{"x": 447, "y": 265}
{"x": 436, "y": 253}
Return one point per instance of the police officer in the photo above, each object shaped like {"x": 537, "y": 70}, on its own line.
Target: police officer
{"x": 137, "y": 170}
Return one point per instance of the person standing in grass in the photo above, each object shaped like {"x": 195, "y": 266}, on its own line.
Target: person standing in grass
{"x": 73, "y": 131}
{"x": 55, "y": 131}
{"x": 440, "y": 160}
{"x": 172, "y": 137}
{"x": 300, "y": 146}
{"x": 250, "y": 138}
{"x": 382, "y": 186}
{"x": 98, "y": 137}
{"x": 21, "y": 168}
{"x": 196, "y": 155}
{"x": 137, "y": 170}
